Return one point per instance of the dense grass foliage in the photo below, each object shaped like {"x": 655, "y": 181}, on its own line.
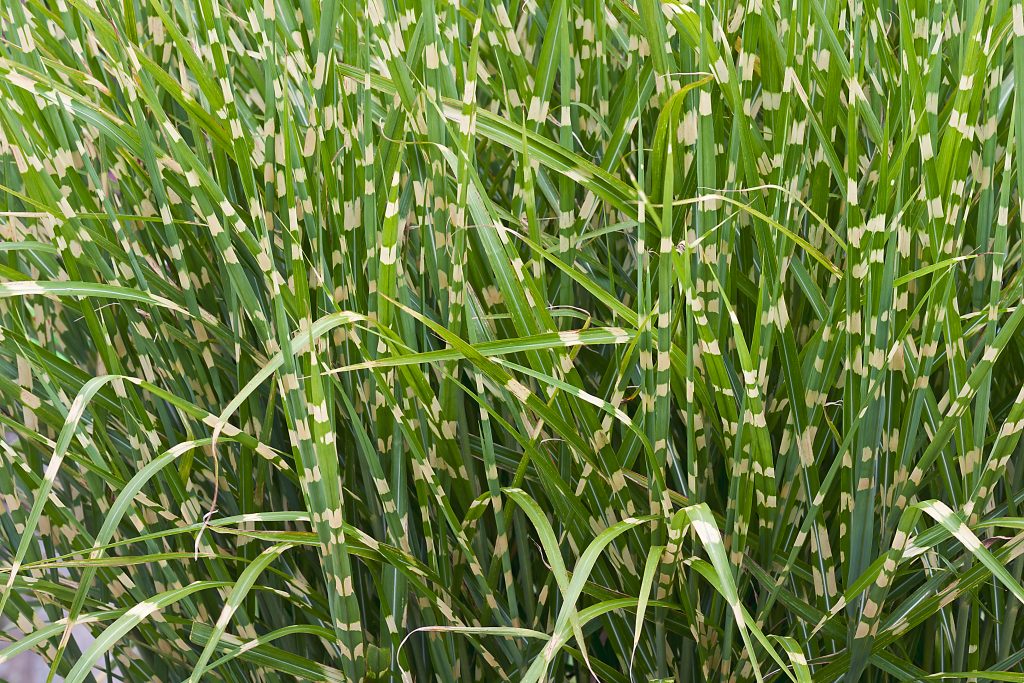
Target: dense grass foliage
{"x": 625, "y": 340}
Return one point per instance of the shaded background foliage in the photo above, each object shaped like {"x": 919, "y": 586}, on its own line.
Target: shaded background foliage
{"x": 422, "y": 339}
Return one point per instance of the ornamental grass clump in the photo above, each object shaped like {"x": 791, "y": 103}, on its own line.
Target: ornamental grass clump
{"x": 575, "y": 340}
